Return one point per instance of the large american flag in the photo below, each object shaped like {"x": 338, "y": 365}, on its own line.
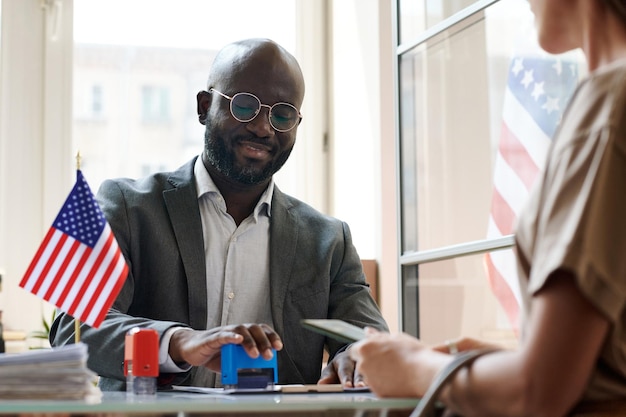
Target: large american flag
{"x": 78, "y": 267}
{"x": 538, "y": 89}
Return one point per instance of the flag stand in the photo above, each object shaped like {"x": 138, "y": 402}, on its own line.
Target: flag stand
{"x": 77, "y": 321}
{"x": 76, "y": 330}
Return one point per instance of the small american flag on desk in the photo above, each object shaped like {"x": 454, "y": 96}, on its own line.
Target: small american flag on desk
{"x": 538, "y": 89}
{"x": 78, "y": 267}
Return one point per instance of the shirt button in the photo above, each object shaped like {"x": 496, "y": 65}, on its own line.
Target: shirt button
{"x": 231, "y": 295}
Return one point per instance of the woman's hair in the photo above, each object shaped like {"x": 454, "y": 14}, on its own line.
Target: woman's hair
{"x": 618, "y": 7}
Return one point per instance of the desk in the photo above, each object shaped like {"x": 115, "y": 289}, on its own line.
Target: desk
{"x": 181, "y": 404}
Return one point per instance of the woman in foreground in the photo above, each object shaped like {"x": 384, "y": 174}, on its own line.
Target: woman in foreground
{"x": 571, "y": 252}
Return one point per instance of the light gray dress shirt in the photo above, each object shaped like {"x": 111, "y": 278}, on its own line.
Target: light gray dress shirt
{"x": 237, "y": 257}
{"x": 237, "y": 262}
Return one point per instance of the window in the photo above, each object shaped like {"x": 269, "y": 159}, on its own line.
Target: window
{"x": 453, "y": 79}
{"x": 97, "y": 105}
{"x": 145, "y": 81}
{"x": 155, "y": 104}
{"x": 89, "y": 102}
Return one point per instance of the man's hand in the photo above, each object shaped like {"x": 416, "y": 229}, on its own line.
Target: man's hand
{"x": 342, "y": 370}
{"x": 203, "y": 347}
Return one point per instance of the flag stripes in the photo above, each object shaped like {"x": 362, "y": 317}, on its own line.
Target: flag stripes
{"x": 538, "y": 89}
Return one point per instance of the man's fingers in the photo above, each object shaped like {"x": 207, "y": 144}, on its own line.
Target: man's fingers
{"x": 259, "y": 339}
{"x": 248, "y": 341}
{"x": 274, "y": 338}
{"x": 359, "y": 379}
{"x": 345, "y": 369}
{"x": 329, "y": 375}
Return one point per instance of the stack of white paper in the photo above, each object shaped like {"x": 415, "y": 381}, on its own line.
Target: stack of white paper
{"x": 58, "y": 373}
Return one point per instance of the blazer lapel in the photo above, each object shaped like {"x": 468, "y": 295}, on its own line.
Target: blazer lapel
{"x": 283, "y": 238}
{"x": 182, "y": 206}
{"x": 284, "y": 233}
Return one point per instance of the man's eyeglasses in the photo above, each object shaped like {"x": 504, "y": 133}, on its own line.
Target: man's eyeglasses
{"x": 244, "y": 107}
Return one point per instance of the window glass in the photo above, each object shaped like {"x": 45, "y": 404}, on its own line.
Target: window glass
{"x": 452, "y": 91}
{"x": 155, "y": 104}
{"x": 96, "y": 100}
{"x": 479, "y": 103}
{"x": 138, "y": 66}
{"x": 417, "y": 16}
{"x": 450, "y": 298}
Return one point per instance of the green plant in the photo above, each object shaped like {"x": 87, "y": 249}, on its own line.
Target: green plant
{"x": 43, "y": 334}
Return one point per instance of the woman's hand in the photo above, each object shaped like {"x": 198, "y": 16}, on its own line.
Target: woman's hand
{"x": 396, "y": 365}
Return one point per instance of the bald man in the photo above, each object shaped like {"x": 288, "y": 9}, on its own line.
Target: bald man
{"x": 218, "y": 254}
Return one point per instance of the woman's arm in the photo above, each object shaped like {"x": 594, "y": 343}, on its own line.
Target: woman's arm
{"x": 546, "y": 376}
{"x": 549, "y": 373}
{"x": 465, "y": 343}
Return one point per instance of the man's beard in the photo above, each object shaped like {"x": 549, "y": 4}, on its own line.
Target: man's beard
{"x": 224, "y": 160}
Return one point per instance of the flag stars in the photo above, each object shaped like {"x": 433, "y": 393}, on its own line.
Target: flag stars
{"x": 528, "y": 78}
{"x": 538, "y": 91}
{"x": 551, "y": 104}
{"x": 80, "y": 216}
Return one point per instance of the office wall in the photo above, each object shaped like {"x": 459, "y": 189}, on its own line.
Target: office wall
{"x": 363, "y": 152}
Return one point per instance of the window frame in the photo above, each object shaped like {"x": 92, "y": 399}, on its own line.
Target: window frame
{"x": 413, "y": 259}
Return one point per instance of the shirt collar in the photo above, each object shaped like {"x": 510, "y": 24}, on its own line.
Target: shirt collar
{"x": 205, "y": 185}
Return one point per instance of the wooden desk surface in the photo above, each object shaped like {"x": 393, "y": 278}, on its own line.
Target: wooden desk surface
{"x": 182, "y": 404}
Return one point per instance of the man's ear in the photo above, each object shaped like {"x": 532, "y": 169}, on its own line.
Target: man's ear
{"x": 204, "y": 101}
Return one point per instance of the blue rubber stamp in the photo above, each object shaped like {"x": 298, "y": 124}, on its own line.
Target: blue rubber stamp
{"x": 243, "y": 372}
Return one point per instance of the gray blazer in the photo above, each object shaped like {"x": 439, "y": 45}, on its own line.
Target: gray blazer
{"x": 315, "y": 272}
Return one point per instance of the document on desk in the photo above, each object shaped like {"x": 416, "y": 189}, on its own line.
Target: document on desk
{"x": 281, "y": 389}
{"x": 57, "y": 373}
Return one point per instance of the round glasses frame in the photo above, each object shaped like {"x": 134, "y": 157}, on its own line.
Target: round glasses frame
{"x": 256, "y": 113}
